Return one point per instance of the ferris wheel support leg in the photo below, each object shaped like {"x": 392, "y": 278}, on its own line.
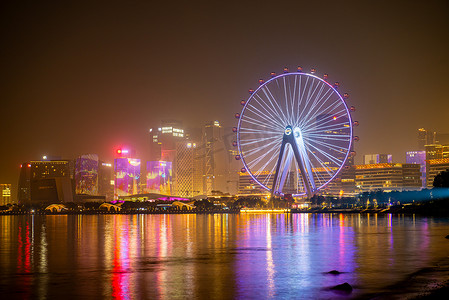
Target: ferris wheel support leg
{"x": 289, "y": 138}
{"x": 278, "y": 166}
{"x": 301, "y": 168}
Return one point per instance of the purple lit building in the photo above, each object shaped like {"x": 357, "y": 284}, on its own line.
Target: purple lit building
{"x": 126, "y": 176}
{"x": 418, "y": 157}
{"x": 159, "y": 177}
{"x": 86, "y": 174}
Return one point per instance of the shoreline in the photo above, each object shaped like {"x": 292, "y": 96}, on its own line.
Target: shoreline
{"x": 426, "y": 283}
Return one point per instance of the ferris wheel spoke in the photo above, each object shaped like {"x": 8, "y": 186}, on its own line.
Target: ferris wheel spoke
{"x": 315, "y": 110}
{"x": 274, "y": 108}
{"x": 332, "y": 159}
{"x": 322, "y": 164}
{"x": 332, "y": 127}
{"x": 254, "y": 122}
{"x": 292, "y": 98}
{"x": 330, "y": 138}
{"x": 321, "y": 146}
{"x": 337, "y": 114}
{"x": 257, "y": 112}
{"x": 254, "y": 163}
{"x": 330, "y": 146}
{"x": 268, "y": 108}
{"x": 270, "y": 96}
{"x": 255, "y": 141}
{"x": 258, "y": 149}
{"x": 309, "y": 95}
{"x": 271, "y": 159}
{"x": 307, "y": 106}
{"x": 329, "y": 124}
{"x": 301, "y": 96}
{"x": 310, "y": 119}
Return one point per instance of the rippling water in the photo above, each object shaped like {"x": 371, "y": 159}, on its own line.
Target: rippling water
{"x": 212, "y": 256}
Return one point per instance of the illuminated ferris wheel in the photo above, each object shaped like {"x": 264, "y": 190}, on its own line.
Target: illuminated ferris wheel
{"x": 294, "y": 133}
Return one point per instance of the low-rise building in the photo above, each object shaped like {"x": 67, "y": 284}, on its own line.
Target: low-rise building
{"x": 434, "y": 167}
{"x": 388, "y": 177}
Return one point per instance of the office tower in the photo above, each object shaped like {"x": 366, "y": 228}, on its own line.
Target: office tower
{"x": 216, "y": 159}
{"x": 426, "y": 137}
{"x": 434, "y": 151}
{"x": 5, "y": 194}
{"x": 418, "y": 157}
{"x": 434, "y": 167}
{"x": 86, "y": 174}
{"x": 159, "y": 177}
{"x": 48, "y": 181}
{"x": 377, "y": 159}
{"x": 164, "y": 139}
{"x": 189, "y": 171}
{"x": 388, "y": 177}
{"x": 106, "y": 181}
{"x": 24, "y": 187}
{"x": 126, "y": 176}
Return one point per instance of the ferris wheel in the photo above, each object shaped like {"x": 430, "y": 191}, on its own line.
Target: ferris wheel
{"x": 294, "y": 133}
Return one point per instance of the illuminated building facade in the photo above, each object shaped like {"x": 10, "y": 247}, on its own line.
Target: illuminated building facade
{"x": 189, "y": 171}
{"x": 86, "y": 174}
{"x": 418, "y": 157}
{"x": 426, "y": 137}
{"x": 5, "y": 194}
{"x": 434, "y": 151}
{"x": 106, "y": 181}
{"x": 159, "y": 177}
{"x": 434, "y": 167}
{"x": 48, "y": 181}
{"x": 216, "y": 160}
{"x": 126, "y": 176}
{"x": 388, "y": 177}
{"x": 370, "y": 159}
{"x": 164, "y": 139}
{"x": 24, "y": 187}
{"x": 247, "y": 185}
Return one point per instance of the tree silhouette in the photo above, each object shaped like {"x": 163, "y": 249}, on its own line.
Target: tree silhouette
{"x": 441, "y": 180}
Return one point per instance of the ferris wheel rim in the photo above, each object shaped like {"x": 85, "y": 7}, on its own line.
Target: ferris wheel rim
{"x": 334, "y": 91}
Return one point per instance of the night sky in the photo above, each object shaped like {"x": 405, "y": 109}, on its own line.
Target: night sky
{"x": 86, "y": 77}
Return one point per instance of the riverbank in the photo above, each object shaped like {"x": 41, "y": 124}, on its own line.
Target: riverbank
{"x": 427, "y": 283}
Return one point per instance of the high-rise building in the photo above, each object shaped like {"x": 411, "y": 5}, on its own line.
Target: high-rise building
{"x": 434, "y": 167}
{"x": 159, "y": 177}
{"x": 377, "y": 159}
{"x": 126, "y": 176}
{"x": 86, "y": 174}
{"x": 426, "y": 137}
{"x": 215, "y": 159}
{"x": 388, "y": 177}
{"x": 418, "y": 157}
{"x": 5, "y": 194}
{"x": 434, "y": 151}
{"x": 189, "y": 171}
{"x": 164, "y": 139}
{"x": 106, "y": 181}
{"x": 46, "y": 181}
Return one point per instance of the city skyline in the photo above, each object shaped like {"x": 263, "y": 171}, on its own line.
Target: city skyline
{"x": 73, "y": 87}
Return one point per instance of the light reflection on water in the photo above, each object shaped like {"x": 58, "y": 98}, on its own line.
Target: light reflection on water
{"x": 212, "y": 256}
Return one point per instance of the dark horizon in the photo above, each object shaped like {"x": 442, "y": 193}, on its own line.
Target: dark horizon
{"x": 87, "y": 77}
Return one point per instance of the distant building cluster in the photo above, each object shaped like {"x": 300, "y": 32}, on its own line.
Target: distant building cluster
{"x": 201, "y": 163}
{"x": 181, "y": 164}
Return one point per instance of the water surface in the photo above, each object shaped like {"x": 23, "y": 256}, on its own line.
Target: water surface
{"x": 221, "y": 256}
